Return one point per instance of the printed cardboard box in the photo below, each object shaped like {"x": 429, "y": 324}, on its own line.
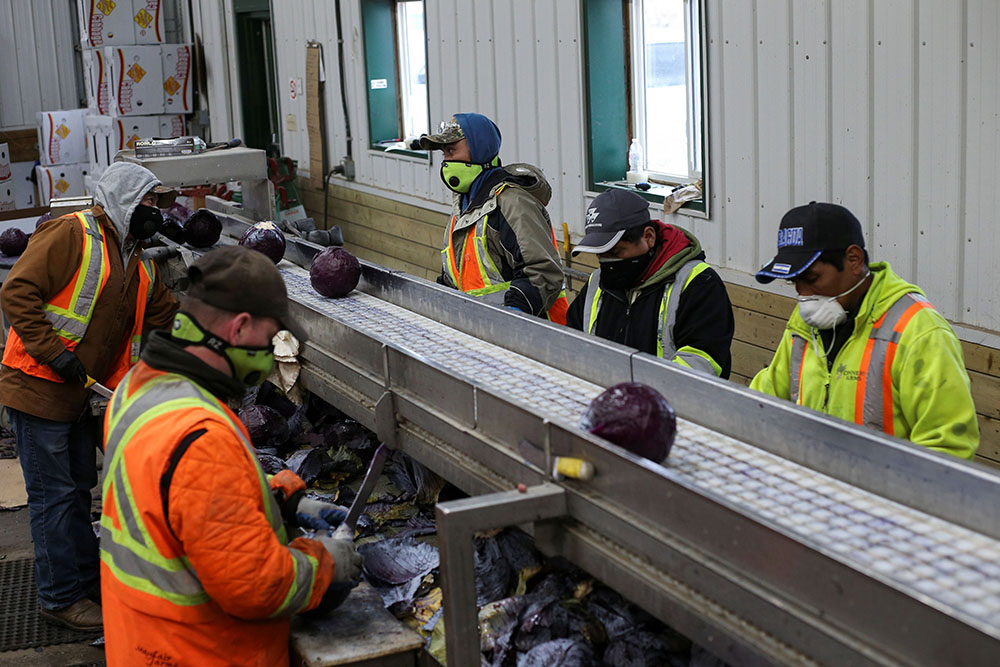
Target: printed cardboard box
{"x": 147, "y": 20}
{"x": 120, "y": 22}
{"x": 106, "y": 135}
{"x": 177, "y": 79}
{"x": 95, "y": 79}
{"x": 61, "y": 138}
{"x": 24, "y": 187}
{"x": 61, "y": 180}
{"x": 5, "y": 174}
{"x": 105, "y": 22}
{"x": 135, "y": 80}
{"x": 7, "y": 198}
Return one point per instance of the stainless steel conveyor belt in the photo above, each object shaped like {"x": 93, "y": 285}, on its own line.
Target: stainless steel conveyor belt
{"x": 771, "y": 535}
{"x": 952, "y": 566}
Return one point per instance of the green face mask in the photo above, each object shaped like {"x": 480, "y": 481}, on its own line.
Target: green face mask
{"x": 249, "y": 365}
{"x": 459, "y": 176}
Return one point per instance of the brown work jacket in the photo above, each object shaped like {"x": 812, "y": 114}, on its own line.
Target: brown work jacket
{"x": 48, "y": 264}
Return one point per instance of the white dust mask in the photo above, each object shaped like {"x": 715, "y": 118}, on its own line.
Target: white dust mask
{"x": 825, "y": 312}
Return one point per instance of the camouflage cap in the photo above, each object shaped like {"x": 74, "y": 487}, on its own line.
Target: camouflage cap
{"x": 449, "y": 131}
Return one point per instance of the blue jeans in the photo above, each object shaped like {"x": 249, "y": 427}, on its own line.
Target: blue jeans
{"x": 59, "y": 464}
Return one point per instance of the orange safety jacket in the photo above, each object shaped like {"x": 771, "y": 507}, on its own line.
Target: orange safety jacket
{"x": 478, "y": 275}
{"x": 71, "y": 309}
{"x": 196, "y": 567}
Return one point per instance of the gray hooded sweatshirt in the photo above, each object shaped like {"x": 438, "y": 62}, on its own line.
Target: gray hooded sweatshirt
{"x": 120, "y": 189}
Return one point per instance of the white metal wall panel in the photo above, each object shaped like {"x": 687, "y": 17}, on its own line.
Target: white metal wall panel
{"x": 889, "y": 107}
{"x": 981, "y": 298}
{"x": 38, "y": 70}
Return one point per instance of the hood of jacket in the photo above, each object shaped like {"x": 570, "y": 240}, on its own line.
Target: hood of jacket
{"x": 527, "y": 177}
{"x": 119, "y": 190}
{"x": 885, "y": 290}
{"x": 677, "y": 247}
{"x": 482, "y": 135}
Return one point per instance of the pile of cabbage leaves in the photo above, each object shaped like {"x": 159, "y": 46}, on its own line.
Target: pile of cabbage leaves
{"x": 533, "y": 610}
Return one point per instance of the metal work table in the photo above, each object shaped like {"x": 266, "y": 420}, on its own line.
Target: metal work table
{"x": 772, "y": 534}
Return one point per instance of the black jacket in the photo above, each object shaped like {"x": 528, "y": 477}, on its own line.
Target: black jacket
{"x": 704, "y": 317}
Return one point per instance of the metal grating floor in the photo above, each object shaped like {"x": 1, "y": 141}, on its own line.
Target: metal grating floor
{"x": 20, "y": 625}
{"x": 946, "y": 565}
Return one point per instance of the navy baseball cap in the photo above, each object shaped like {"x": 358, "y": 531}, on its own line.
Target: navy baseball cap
{"x": 805, "y": 233}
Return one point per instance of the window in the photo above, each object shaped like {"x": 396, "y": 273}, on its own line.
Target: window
{"x": 396, "y": 68}
{"x": 646, "y": 80}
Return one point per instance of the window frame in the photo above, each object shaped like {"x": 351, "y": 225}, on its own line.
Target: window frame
{"x": 609, "y": 80}
{"x": 380, "y": 48}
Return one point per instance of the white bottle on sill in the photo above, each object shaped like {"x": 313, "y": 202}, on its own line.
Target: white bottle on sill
{"x": 635, "y": 173}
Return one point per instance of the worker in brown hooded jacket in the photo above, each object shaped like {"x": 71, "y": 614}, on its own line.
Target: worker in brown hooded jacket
{"x": 78, "y": 302}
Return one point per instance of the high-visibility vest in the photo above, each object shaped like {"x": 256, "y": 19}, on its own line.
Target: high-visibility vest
{"x": 146, "y": 561}
{"x": 873, "y": 398}
{"x": 72, "y": 308}
{"x": 477, "y": 274}
{"x": 666, "y": 320}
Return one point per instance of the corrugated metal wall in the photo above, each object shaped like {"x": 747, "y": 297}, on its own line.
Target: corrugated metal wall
{"x": 887, "y": 106}
{"x": 39, "y": 68}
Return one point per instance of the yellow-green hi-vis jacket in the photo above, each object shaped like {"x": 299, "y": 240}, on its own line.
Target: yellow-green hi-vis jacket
{"x": 901, "y": 371}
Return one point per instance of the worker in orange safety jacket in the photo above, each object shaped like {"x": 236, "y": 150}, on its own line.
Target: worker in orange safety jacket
{"x": 196, "y": 565}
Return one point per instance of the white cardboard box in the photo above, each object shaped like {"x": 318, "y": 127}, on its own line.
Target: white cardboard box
{"x": 61, "y": 138}
{"x": 120, "y": 22}
{"x": 5, "y": 174}
{"x": 95, "y": 79}
{"x": 147, "y": 17}
{"x": 177, "y": 80}
{"x": 61, "y": 180}
{"x": 135, "y": 80}
{"x": 106, "y": 135}
{"x": 8, "y": 201}
{"x": 24, "y": 187}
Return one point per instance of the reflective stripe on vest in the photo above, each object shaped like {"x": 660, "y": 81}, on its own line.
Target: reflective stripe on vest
{"x": 795, "y": 365}
{"x": 70, "y": 320}
{"x": 128, "y": 548}
{"x": 873, "y": 400}
{"x": 667, "y": 317}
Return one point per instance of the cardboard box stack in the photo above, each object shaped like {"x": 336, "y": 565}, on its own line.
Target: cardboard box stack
{"x": 6, "y": 181}
{"x": 137, "y": 86}
{"x": 62, "y": 152}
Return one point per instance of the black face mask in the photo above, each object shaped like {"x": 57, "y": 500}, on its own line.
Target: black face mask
{"x": 624, "y": 273}
{"x": 146, "y": 221}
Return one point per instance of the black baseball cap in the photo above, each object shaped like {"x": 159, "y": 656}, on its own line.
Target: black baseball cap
{"x": 805, "y": 233}
{"x": 241, "y": 280}
{"x": 609, "y": 216}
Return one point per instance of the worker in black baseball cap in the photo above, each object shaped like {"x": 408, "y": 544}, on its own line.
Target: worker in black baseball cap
{"x": 864, "y": 345}
{"x": 653, "y": 290}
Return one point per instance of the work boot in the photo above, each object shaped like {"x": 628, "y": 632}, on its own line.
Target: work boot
{"x": 82, "y": 615}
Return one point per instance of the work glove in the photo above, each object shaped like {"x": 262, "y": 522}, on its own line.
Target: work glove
{"x": 69, "y": 367}
{"x": 340, "y": 545}
{"x": 314, "y": 514}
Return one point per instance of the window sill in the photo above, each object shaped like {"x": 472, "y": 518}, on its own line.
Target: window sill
{"x": 399, "y": 149}
{"x": 656, "y": 194}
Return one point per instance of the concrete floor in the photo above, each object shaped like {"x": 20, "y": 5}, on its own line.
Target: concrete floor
{"x": 15, "y": 542}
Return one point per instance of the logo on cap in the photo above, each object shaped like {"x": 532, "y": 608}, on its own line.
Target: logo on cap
{"x": 781, "y": 268}
{"x": 592, "y": 214}
{"x": 790, "y": 236}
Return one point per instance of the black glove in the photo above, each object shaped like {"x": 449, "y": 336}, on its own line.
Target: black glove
{"x": 69, "y": 367}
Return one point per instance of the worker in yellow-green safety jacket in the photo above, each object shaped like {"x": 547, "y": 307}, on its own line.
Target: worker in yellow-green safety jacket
{"x": 653, "y": 290}
{"x": 863, "y": 344}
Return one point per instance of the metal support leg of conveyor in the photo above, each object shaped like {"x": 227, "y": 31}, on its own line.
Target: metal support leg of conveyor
{"x": 457, "y": 522}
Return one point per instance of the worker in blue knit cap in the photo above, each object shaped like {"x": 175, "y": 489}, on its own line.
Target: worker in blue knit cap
{"x": 499, "y": 244}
